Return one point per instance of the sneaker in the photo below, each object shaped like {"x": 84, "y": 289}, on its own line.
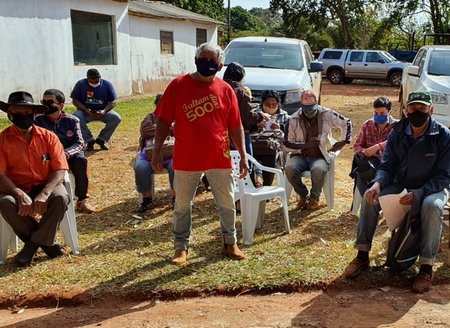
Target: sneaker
{"x": 84, "y": 206}
{"x": 102, "y": 144}
{"x": 146, "y": 205}
{"x": 180, "y": 257}
{"x": 90, "y": 145}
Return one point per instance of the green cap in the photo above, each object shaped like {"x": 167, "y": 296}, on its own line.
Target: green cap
{"x": 421, "y": 96}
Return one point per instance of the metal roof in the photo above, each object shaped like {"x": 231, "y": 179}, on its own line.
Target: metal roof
{"x": 159, "y": 9}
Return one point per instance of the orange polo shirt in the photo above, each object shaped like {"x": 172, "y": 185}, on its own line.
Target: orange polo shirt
{"x": 24, "y": 163}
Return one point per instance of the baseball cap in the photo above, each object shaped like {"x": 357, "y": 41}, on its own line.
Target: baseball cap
{"x": 308, "y": 99}
{"x": 92, "y": 72}
{"x": 421, "y": 96}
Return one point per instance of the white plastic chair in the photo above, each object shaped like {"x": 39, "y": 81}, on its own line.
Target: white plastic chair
{"x": 357, "y": 199}
{"x": 68, "y": 228}
{"x": 328, "y": 185}
{"x": 253, "y": 200}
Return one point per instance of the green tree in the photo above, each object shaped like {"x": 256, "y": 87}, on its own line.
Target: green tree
{"x": 211, "y": 8}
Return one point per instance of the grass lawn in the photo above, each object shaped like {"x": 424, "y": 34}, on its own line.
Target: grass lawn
{"x": 122, "y": 255}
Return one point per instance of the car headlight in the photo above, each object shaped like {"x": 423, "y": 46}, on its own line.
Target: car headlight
{"x": 292, "y": 96}
{"x": 439, "y": 98}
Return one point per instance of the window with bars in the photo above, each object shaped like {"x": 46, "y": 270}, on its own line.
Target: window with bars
{"x": 93, "y": 38}
{"x": 201, "y": 36}
{"x": 166, "y": 40}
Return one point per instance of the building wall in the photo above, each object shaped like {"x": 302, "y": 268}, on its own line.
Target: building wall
{"x": 37, "y": 50}
{"x": 152, "y": 71}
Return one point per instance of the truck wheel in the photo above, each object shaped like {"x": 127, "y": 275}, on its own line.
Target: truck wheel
{"x": 395, "y": 79}
{"x": 335, "y": 76}
{"x": 348, "y": 80}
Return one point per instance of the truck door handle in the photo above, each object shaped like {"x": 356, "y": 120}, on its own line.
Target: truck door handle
{"x": 365, "y": 64}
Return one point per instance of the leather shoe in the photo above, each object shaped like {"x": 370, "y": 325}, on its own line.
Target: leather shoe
{"x": 302, "y": 203}
{"x": 423, "y": 282}
{"x": 25, "y": 256}
{"x": 90, "y": 145}
{"x": 355, "y": 268}
{"x": 102, "y": 144}
{"x": 53, "y": 251}
{"x": 180, "y": 257}
{"x": 313, "y": 204}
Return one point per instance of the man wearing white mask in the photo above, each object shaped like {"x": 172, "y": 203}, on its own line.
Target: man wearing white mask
{"x": 95, "y": 99}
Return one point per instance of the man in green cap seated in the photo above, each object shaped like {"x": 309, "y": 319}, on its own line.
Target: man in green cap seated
{"x": 416, "y": 158}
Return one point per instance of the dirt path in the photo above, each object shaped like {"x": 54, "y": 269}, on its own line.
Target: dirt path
{"x": 373, "y": 307}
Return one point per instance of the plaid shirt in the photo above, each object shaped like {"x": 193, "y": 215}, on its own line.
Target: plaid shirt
{"x": 370, "y": 135}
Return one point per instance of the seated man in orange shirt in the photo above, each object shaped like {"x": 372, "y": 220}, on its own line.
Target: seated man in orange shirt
{"x": 32, "y": 168}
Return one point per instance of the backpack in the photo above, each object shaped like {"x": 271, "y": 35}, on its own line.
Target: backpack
{"x": 404, "y": 245}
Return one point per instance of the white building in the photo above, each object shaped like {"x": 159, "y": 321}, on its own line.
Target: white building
{"x": 138, "y": 46}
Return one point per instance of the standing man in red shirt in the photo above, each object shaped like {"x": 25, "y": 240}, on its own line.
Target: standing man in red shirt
{"x": 32, "y": 168}
{"x": 206, "y": 114}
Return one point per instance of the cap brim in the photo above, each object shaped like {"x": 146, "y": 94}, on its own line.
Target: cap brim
{"x": 307, "y": 108}
{"x": 37, "y": 108}
{"x": 427, "y": 103}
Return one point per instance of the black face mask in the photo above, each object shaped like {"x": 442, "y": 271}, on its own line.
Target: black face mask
{"x": 206, "y": 68}
{"x": 22, "y": 121}
{"x": 418, "y": 118}
{"x": 51, "y": 110}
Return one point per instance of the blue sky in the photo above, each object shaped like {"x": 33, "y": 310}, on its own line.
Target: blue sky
{"x": 248, "y": 4}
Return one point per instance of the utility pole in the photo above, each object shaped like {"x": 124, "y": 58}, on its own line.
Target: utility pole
{"x": 229, "y": 21}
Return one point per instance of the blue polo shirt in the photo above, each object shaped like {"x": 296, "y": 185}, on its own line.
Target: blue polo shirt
{"x": 94, "y": 98}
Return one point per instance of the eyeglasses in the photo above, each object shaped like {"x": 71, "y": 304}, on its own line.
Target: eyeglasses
{"x": 49, "y": 102}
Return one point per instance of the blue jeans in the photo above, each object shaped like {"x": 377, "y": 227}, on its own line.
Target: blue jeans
{"x": 112, "y": 119}
{"x": 222, "y": 187}
{"x": 143, "y": 175}
{"x": 318, "y": 168}
{"x": 432, "y": 211}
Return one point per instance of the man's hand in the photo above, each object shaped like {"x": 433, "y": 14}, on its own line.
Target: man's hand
{"x": 100, "y": 113}
{"x": 369, "y": 152}
{"x": 372, "y": 193}
{"x": 338, "y": 146}
{"x": 88, "y": 112}
{"x": 243, "y": 168}
{"x": 157, "y": 162}
{"x": 407, "y": 199}
{"x": 40, "y": 203}
{"x": 313, "y": 143}
{"x": 25, "y": 204}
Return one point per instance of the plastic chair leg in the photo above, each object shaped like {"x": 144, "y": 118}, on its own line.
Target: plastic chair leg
{"x": 9, "y": 240}
{"x": 287, "y": 224}
{"x": 248, "y": 221}
{"x": 68, "y": 224}
{"x": 357, "y": 199}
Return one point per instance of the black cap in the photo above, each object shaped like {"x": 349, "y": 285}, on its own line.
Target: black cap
{"x": 22, "y": 98}
{"x": 92, "y": 72}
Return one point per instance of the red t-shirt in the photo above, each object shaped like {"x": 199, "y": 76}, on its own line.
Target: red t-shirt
{"x": 24, "y": 163}
{"x": 203, "y": 114}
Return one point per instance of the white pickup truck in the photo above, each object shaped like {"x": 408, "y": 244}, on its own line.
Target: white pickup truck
{"x": 344, "y": 65}
{"x": 430, "y": 70}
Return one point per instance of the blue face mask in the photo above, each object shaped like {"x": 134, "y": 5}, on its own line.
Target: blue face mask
{"x": 380, "y": 119}
{"x": 206, "y": 67}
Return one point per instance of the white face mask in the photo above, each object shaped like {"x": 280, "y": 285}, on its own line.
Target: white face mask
{"x": 94, "y": 85}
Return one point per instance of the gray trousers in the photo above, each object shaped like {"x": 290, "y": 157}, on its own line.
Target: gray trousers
{"x": 28, "y": 228}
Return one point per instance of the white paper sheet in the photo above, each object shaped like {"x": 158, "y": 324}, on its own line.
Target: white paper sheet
{"x": 393, "y": 211}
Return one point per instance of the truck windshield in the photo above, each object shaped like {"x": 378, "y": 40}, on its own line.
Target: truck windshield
{"x": 264, "y": 54}
{"x": 388, "y": 57}
{"x": 439, "y": 63}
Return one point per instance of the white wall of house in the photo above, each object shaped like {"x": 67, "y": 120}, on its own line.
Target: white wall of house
{"x": 37, "y": 48}
{"x": 151, "y": 70}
